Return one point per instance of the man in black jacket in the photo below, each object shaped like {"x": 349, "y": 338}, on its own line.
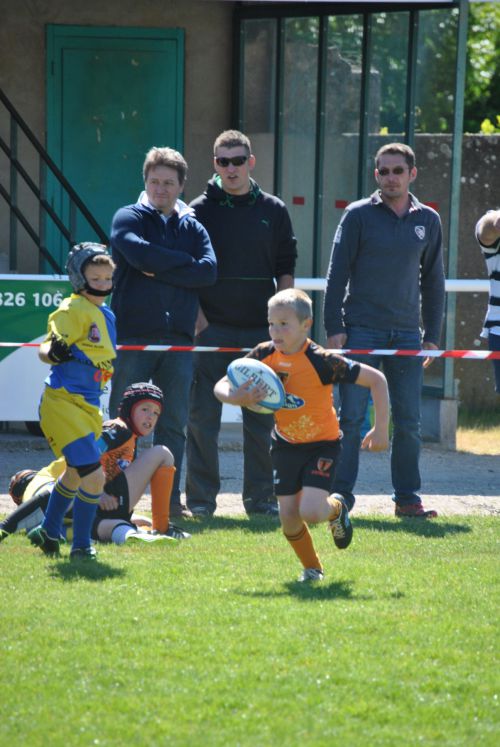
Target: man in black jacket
{"x": 253, "y": 240}
{"x": 163, "y": 257}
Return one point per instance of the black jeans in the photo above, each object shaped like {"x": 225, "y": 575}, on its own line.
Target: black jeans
{"x": 172, "y": 372}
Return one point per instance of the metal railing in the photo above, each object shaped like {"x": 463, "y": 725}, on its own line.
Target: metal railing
{"x": 46, "y": 166}
{"x": 452, "y": 285}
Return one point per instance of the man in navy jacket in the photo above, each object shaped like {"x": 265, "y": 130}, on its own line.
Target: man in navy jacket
{"x": 163, "y": 255}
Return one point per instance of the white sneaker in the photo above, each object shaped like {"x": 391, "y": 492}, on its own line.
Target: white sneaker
{"x": 311, "y": 574}
{"x": 148, "y": 537}
{"x": 173, "y": 532}
{"x": 176, "y": 532}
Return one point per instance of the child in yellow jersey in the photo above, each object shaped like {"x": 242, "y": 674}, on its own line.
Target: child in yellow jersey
{"x": 127, "y": 476}
{"x": 306, "y": 438}
{"x": 80, "y": 347}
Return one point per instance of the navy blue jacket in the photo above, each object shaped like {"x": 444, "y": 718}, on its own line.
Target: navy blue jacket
{"x": 179, "y": 254}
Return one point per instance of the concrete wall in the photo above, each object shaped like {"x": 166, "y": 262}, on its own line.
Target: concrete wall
{"x": 208, "y": 58}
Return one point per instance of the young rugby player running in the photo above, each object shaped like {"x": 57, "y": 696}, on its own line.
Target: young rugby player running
{"x": 306, "y": 438}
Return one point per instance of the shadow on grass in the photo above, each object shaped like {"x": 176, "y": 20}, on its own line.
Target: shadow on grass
{"x": 90, "y": 570}
{"x": 422, "y": 527}
{"x": 324, "y": 590}
{"x": 306, "y": 592}
{"x": 255, "y": 524}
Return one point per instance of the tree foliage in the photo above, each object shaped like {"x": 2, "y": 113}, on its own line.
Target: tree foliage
{"x": 482, "y": 93}
{"x": 435, "y": 71}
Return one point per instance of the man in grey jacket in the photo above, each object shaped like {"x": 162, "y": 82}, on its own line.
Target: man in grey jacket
{"x": 385, "y": 277}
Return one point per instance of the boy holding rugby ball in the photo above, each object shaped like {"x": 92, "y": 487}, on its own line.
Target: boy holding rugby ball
{"x": 306, "y": 440}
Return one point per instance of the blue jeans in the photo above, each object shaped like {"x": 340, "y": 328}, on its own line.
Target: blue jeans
{"x": 202, "y": 470}
{"x": 172, "y": 372}
{"x": 404, "y": 379}
{"x": 494, "y": 345}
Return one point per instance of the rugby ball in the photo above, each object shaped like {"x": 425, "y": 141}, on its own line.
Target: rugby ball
{"x": 242, "y": 370}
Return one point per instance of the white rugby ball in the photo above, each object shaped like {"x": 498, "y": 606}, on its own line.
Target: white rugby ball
{"x": 242, "y": 370}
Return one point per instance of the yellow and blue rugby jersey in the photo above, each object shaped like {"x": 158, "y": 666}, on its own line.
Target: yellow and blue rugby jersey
{"x": 90, "y": 332}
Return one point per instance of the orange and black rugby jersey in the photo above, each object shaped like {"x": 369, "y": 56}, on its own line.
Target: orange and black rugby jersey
{"x": 120, "y": 445}
{"x": 307, "y": 376}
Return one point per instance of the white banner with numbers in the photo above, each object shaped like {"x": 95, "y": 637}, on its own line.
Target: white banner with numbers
{"x": 25, "y": 304}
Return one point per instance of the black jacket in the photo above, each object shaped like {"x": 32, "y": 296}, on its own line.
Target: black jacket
{"x": 253, "y": 240}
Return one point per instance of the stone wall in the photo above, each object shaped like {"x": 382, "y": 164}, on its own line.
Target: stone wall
{"x": 480, "y": 192}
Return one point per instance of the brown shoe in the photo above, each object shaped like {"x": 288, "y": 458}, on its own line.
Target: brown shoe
{"x": 178, "y": 511}
{"x": 415, "y": 511}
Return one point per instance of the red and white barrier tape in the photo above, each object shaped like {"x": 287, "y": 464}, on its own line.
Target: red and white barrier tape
{"x": 481, "y": 355}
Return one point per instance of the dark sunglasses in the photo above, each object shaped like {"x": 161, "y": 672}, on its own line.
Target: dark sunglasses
{"x": 398, "y": 170}
{"x": 235, "y": 161}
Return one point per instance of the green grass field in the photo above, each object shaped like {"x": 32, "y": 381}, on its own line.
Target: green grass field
{"x": 213, "y": 642}
{"x": 479, "y": 432}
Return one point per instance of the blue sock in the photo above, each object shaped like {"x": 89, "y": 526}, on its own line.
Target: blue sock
{"x": 84, "y": 511}
{"x": 59, "y": 502}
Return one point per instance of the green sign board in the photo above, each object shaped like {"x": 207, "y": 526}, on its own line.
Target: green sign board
{"x": 25, "y": 304}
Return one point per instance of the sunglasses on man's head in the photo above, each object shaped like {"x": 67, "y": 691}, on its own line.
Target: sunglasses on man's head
{"x": 235, "y": 161}
{"x": 398, "y": 170}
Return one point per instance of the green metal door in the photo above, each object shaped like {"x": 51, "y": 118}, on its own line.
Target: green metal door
{"x": 112, "y": 93}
